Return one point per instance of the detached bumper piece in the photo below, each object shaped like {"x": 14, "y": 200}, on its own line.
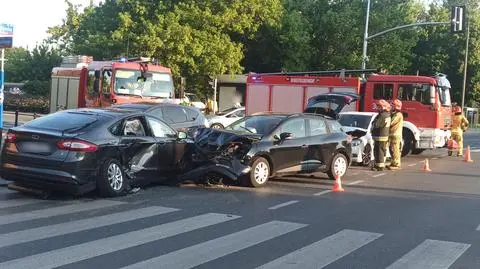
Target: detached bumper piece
{"x": 232, "y": 169}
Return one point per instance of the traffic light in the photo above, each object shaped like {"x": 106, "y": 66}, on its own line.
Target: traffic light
{"x": 458, "y": 19}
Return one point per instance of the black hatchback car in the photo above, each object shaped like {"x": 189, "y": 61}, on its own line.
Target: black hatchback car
{"x": 181, "y": 118}
{"x": 81, "y": 150}
{"x": 263, "y": 145}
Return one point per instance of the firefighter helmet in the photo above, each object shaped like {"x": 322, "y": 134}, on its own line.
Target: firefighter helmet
{"x": 457, "y": 109}
{"x": 383, "y": 105}
{"x": 397, "y": 104}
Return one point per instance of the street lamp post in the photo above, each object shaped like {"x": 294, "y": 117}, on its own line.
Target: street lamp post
{"x": 465, "y": 65}
{"x": 365, "y": 39}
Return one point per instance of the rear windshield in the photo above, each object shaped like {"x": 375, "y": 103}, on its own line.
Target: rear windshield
{"x": 62, "y": 121}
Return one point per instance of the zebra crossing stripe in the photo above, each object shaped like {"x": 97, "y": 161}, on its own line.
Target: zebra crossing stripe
{"x": 17, "y": 202}
{"x": 431, "y": 254}
{"x": 80, "y": 252}
{"x": 323, "y": 252}
{"x": 55, "y": 211}
{"x": 201, "y": 253}
{"x": 43, "y": 232}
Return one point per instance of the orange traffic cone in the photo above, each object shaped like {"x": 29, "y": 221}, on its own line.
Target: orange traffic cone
{"x": 337, "y": 186}
{"x": 468, "y": 158}
{"x": 426, "y": 166}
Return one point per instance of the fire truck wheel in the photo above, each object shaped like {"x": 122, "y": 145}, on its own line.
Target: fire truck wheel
{"x": 111, "y": 180}
{"x": 417, "y": 151}
{"x": 407, "y": 142}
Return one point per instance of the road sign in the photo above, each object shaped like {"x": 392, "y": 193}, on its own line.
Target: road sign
{"x": 6, "y": 35}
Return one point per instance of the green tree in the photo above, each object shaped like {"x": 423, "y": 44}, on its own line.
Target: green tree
{"x": 16, "y": 66}
{"x": 193, "y": 38}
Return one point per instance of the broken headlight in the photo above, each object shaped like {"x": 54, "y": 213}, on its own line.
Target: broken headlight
{"x": 356, "y": 142}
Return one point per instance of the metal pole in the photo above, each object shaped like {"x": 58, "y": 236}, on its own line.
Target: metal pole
{"x": 2, "y": 83}
{"x": 365, "y": 39}
{"x": 465, "y": 65}
{"x": 214, "y": 96}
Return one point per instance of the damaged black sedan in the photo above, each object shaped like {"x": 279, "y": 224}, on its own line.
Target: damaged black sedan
{"x": 264, "y": 145}
{"x": 81, "y": 150}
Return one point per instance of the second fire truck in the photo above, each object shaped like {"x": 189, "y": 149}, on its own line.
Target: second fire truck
{"x": 426, "y": 100}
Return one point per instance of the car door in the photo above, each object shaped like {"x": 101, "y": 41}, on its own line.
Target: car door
{"x": 320, "y": 147}
{"x": 170, "y": 149}
{"x": 289, "y": 155}
{"x": 138, "y": 149}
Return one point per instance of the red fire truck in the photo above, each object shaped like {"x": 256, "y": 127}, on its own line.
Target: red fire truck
{"x": 426, "y": 100}
{"x": 82, "y": 82}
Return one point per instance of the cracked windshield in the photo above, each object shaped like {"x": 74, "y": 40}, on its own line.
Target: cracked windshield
{"x": 130, "y": 82}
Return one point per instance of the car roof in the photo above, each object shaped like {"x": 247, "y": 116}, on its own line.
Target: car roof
{"x": 290, "y": 115}
{"x": 359, "y": 113}
{"x": 144, "y": 106}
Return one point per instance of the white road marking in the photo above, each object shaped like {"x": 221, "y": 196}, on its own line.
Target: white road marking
{"x": 356, "y": 182}
{"x": 435, "y": 158}
{"x": 283, "y": 204}
{"x": 323, "y": 252}
{"x": 322, "y": 192}
{"x": 379, "y": 175}
{"x": 55, "y": 211}
{"x": 355, "y": 174}
{"x": 431, "y": 254}
{"x": 102, "y": 246}
{"x": 17, "y": 202}
{"x": 413, "y": 164}
{"x": 475, "y": 150}
{"x": 201, "y": 253}
{"x": 80, "y": 225}
{"x": 478, "y": 228}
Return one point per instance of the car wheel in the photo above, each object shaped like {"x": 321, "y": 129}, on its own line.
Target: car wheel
{"x": 338, "y": 166}
{"x": 260, "y": 173}
{"x": 111, "y": 181}
{"x": 217, "y": 126}
{"x": 366, "y": 155}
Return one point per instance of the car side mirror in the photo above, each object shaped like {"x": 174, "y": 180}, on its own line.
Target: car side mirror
{"x": 182, "y": 135}
{"x": 286, "y": 136}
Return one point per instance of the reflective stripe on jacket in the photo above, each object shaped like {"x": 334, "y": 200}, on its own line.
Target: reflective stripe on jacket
{"x": 459, "y": 123}
{"x": 381, "y": 127}
{"x": 396, "y": 126}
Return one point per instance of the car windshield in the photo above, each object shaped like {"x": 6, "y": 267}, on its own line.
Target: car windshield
{"x": 62, "y": 121}
{"x": 158, "y": 85}
{"x": 263, "y": 125}
{"x": 352, "y": 120}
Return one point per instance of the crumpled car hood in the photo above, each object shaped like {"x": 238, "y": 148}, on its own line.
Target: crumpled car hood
{"x": 220, "y": 152}
{"x": 355, "y": 131}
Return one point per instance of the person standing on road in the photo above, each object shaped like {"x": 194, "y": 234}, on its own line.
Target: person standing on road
{"x": 395, "y": 137}
{"x": 380, "y": 133}
{"x": 459, "y": 125}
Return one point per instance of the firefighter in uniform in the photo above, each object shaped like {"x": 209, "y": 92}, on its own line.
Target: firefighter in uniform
{"x": 395, "y": 137}
{"x": 380, "y": 133}
{"x": 459, "y": 125}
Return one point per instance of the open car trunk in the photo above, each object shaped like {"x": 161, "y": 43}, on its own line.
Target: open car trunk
{"x": 219, "y": 153}
{"x": 330, "y": 104}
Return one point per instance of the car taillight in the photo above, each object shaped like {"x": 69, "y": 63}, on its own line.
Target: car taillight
{"x": 11, "y": 138}
{"x": 76, "y": 145}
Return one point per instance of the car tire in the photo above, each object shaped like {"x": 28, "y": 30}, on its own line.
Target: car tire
{"x": 338, "y": 166}
{"x": 408, "y": 141}
{"x": 367, "y": 160}
{"x": 112, "y": 180}
{"x": 217, "y": 126}
{"x": 260, "y": 173}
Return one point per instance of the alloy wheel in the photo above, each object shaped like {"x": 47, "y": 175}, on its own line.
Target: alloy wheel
{"x": 115, "y": 176}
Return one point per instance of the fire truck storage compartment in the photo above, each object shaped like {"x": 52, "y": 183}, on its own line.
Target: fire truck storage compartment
{"x": 292, "y": 98}
{"x": 64, "y": 93}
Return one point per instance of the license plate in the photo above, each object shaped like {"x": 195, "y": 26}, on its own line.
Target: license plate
{"x": 35, "y": 147}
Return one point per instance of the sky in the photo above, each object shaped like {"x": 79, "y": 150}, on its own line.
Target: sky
{"x": 31, "y": 18}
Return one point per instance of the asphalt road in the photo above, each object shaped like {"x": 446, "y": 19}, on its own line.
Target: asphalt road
{"x": 392, "y": 219}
